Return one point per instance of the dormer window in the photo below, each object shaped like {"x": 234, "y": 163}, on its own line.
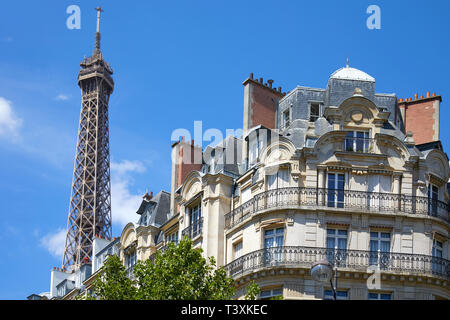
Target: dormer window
{"x": 144, "y": 220}
{"x": 286, "y": 118}
{"x": 255, "y": 147}
{"x": 314, "y": 111}
{"x": 357, "y": 141}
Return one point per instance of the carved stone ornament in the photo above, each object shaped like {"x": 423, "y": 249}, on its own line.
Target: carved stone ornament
{"x": 357, "y": 116}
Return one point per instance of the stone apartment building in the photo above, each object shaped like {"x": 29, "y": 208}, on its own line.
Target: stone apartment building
{"x": 340, "y": 173}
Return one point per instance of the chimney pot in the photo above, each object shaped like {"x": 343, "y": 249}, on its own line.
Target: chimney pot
{"x": 261, "y": 80}
{"x": 421, "y": 97}
{"x": 401, "y": 100}
{"x": 192, "y": 142}
{"x": 428, "y": 94}
{"x": 434, "y": 94}
{"x": 415, "y": 96}
{"x": 270, "y": 83}
{"x": 279, "y": 89}
{"x": 251, "y": 75}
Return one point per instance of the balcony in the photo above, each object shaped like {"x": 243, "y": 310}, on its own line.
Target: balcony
{"x": 345, "y": 260}
{"x": 361, "y": 145}
{"x": 194, "y": 230}
{"x": 331, "y": 199}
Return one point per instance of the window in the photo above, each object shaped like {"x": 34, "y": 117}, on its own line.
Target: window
{"x": 273, "y": 243}
{"x": 380, "y": 244}
{"x": 314, "y": 112}
{"x": 246, "y": 195}
{"x": 336, "y": 184}
{"x": 340, "y": 295}
{"x": 130, "y": 259}
{"x": 379, "y": 296}
{"x": 357, "y": 141}
{"x": 195, "y": 219}
{"x": 437, "y": 256}
{"x": 173, "y": 237}
{"x": 237, "y": 248}
{"x": 286, "y": 118}
{"x": 144, "y": 220}
{"x": 268, "y": 294}
{"x": 278, "y": 180}
{"x": 433, "y": 196}
{"x": 274, "y": 238}
{"x": 336, "y": 245}
{"x": 379, "y": 184}
{"x": 336, "y": 239}
{"x": 256, "y": 144}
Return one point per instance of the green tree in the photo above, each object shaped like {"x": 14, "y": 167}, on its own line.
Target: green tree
{"x": 253, "y": 291}
{"x": 113, "y": 283}
{"x": 180, "y": 273}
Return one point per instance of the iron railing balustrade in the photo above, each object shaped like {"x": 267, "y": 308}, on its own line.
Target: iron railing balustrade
{"x": 344, "y": 259}
{"x": 193, "y": 230}
{"x": 311, "y": 198}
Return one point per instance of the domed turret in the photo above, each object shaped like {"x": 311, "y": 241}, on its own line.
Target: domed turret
{"x": 348, "y": 73}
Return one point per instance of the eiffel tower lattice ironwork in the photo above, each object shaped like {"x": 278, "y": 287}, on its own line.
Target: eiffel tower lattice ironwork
{"x": 90, "y": 202}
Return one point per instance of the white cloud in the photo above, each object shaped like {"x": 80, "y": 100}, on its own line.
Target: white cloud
{"x": 9, "y": 123}
{"x": 122, "y": 168}
{"x": 62, "y": 97}
{"x": 123, "y": 202}
{"x": 55, "y": 242}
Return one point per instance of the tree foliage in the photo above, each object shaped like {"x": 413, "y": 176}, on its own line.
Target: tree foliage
{"x": 113, "y": 283}
{"x": 180, "y": 273}
{"x": 252, "y": 291}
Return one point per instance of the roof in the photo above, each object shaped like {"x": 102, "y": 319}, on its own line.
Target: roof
{"x": 348, "y": 73}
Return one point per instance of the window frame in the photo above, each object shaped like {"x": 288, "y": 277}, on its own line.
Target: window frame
{"x": 272, "y": 293}
{"x": 237, "y": 253}
{"x": 286, "y": 118}
{"x": 328, "y": 294}
{"x": 357, "y": 141}
{"x": 319, "y": 113}
{"x": 379, "y": 294}
{"x": 336, "y": 195}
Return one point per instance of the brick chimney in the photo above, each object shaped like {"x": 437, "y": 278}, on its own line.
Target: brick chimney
{"x": 186, "y": 157}
{"x": 421, "y": 116}
{"x": 260, "y": 105}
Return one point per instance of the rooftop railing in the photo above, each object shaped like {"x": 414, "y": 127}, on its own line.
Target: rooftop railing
{"x": 345, "y": 260}
{"x": 310, "y": 198}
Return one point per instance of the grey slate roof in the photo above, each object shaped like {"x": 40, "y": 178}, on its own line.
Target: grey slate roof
{"x": 156, "y": 209}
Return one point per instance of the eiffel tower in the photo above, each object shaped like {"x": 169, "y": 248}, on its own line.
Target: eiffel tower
{"x": 90, "y": 202}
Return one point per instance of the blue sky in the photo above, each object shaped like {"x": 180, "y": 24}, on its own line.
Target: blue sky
{"x": 175, "y": 62}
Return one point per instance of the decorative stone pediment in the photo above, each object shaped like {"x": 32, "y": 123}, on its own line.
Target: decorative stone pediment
{"x": 438, "y": 166}
{"x": 191, "y": 186}
{"x": 279, "y": 151}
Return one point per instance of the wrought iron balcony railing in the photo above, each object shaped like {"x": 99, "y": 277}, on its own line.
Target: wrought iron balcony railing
{"x": 345, "y": 260}
{"x": 193, "y": 230}
{"x": 338, "y": 199}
